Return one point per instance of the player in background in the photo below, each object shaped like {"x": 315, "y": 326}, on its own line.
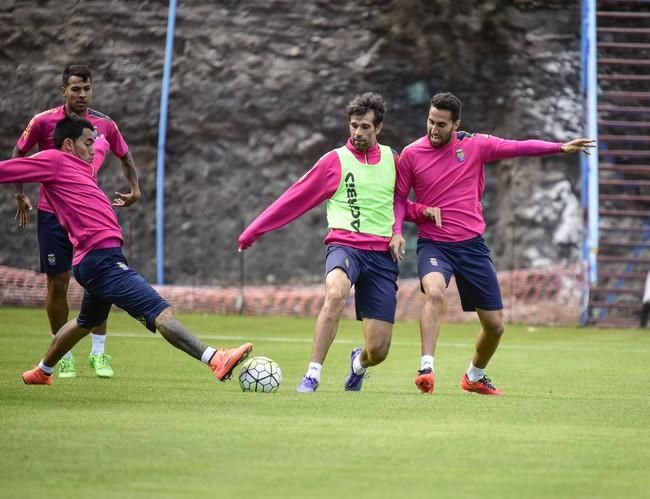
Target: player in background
{"x": 445, "y": 168}
{"x": 55, "y": 248}
{"x": 358, "y": 181}
{"x": 67, "y": 175}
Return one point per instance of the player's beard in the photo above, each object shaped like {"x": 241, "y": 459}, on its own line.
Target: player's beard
{"x": 440, "y": 141}
{"x": 360, "y": 144}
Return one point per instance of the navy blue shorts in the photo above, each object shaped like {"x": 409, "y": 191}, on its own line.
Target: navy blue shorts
{"x": 107, "y": 280}
{"x": 53, "y": 244}
{"x": 471, "y": 264}
{"x": 374, "y": 276}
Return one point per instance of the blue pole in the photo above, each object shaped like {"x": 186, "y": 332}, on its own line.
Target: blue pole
{"x": 589, "y": 164}
{"x": 162, "y": 140}
{"x": 592, "y": 132}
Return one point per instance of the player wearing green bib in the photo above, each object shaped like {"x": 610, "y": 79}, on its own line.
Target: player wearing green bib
{"x": 358, "y": 183}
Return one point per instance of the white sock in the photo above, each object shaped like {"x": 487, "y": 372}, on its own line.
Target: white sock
{"x": 207, "y": 355}
{"x": 474, "y": 373}
{"x": 426, "y": 362}
{"x": 313, "y": 370}
{"x": 44, "y": 368}
{"x": 357, "y": 366}
{"x": 67, "y": 356}
{"x": 99, "y": 340}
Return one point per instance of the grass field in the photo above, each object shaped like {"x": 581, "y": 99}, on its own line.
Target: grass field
{"x": 575, "y": 421}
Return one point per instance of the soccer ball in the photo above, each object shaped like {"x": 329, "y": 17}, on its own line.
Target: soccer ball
{"x": 260, "y": 374}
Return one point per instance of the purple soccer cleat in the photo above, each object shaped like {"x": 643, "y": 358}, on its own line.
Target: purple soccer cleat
{"x": 307, "y": 385}
{"x": 354, "y": 381}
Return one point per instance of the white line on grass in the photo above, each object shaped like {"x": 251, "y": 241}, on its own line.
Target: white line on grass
{"x": 283, "y": 339}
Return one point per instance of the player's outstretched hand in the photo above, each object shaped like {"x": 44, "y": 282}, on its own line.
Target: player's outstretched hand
{"x": 579, "y": 145}
{"x": 243, "y": 244}
{"x": 24, "y": 207}
{"x": 397, "y": 247}
{"x": 122, "y": 200}
{"x": 433, "y": 213}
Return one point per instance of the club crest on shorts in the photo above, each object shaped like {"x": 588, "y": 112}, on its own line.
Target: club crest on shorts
{"x": 460, "y": 155}
{"x": 433, "y": 261}
{"x": 51, "y": 259}
{"x": 122, "y": 265}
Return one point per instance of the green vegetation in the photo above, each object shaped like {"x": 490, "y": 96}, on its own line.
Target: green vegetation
{"x": 573, "y": 423}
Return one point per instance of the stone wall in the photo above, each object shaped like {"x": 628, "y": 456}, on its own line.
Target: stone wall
{"x": 258, "y": 94}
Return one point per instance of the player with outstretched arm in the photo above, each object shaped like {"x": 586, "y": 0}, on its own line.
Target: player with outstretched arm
{"x": 445, "y": 168}
{"x": 54, "y": 247}
{"x": 358, "y": 182}
{"x": 67, "y": 175}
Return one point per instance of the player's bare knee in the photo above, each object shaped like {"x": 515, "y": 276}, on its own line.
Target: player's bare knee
{"x": 435, "y": 297}
{"x": 378, "y": 353}
{"x": 335, "y": 297}
{"x": 495, "y": 329}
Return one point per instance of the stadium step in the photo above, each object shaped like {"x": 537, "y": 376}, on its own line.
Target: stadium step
{"x": 632, "y": 276}
{"x": 625, "y": 182}
{"x": 596, "y": 290}
{"x": 623, "y": 259}
{"x": 623, "y": 138}
{"x": 618, "y": 305}
{"x": 623, "y": 213}
{"x": 623, "y": 153}
{"x": 604, "y": 108}
{"x": 624, "y": 244}
{"x": 623, "y": 62}
{"x": 625, "y": 169}
{"x": 626, "y": 124}
{"x": 622, "y": 15}
{"x": 637, "y": 229}
{"x": 615, "y": 324}
{"x": 625, "y": 197}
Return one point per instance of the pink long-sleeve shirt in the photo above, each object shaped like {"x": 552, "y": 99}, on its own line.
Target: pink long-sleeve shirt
{"x": 452, "y": 177}
{"x": 40, "y": 131}
{"x": 317, "y": 185}
{"x": 70, "y": 186}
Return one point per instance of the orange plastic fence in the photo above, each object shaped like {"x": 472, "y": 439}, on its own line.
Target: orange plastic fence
{"x": 550, "y": 296}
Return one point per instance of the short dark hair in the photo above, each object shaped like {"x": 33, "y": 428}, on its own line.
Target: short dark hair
{"x": 447, "y": 102}
{"x": 70, "y": 127}
{"x": 370, "y": 101}
{"x": 79, "y": 70}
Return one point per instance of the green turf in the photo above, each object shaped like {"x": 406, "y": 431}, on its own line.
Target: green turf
{"x": 574, "y": 422}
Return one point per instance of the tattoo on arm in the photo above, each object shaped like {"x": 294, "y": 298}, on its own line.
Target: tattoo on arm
{"x": 130, "y": 172}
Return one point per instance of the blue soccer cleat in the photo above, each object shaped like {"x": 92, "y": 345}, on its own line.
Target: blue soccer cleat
{"x": 307, "y": 385}
{"x": 354, "y": 381}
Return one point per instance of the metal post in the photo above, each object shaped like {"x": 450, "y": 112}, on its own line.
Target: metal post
{"x": 162, "y": 140}
{"x": 589, "y": 164}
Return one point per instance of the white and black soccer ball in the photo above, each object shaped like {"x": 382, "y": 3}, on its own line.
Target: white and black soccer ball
{"x": 260, "y": 374}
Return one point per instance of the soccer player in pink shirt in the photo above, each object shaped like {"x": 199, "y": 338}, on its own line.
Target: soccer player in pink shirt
{"x": 358, "y": 182}
{"x": 68, "y": 178}
{"x": 55, "y": 248}
{"x": 446, "y": 169}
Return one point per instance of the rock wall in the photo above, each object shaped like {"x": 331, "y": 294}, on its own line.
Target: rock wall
{"x": 258, "y": 94}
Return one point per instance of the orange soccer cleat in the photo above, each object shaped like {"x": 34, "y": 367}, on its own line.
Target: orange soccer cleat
{"x": 425, "y": 380}
{"x": 225, "y": 360}
{"x": 37, "y": 376}
{"x": 483, "y": 386}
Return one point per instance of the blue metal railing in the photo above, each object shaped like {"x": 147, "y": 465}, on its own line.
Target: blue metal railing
{"x": 589, "y": 164}
{"x": 162, "y": 142}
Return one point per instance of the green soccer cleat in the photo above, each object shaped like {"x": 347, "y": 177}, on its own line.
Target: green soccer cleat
{"x": 99, "y": 362}
{"x": 67, "y": 368}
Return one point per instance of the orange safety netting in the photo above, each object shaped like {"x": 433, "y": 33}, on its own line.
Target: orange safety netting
{"x": 550, "y": 295}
